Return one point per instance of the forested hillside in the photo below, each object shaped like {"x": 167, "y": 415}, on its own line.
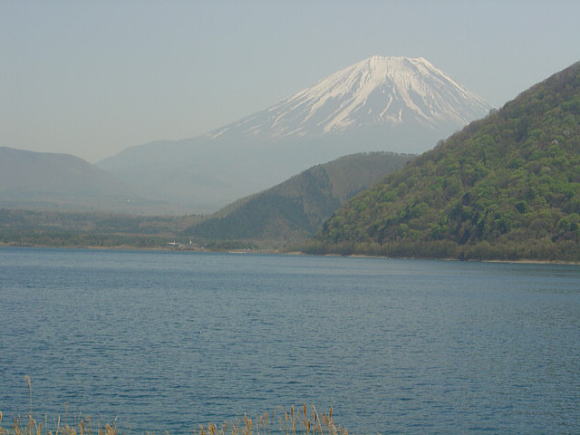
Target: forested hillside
{"x": 505, "y": 187}
{"x": 297, "y": 208}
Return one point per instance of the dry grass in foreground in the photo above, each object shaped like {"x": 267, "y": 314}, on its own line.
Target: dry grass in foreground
{"x": 30, "y": 426}
{"x": 301, "y": 420}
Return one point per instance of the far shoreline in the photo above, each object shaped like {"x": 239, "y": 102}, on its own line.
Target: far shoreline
{"x": 279, "y": 252}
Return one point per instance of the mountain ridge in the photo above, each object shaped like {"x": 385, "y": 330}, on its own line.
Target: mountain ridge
{"x": 297, "y": 207}
{"x": 58, "y": 181}
{"x": 50, "y": 172}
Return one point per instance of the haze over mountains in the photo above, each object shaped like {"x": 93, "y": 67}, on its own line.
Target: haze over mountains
{"x": 297, "y": 208}
{"x": 47, "y": 180}
{"x": 506, "y": 186}
{"x": 382, "y": 103}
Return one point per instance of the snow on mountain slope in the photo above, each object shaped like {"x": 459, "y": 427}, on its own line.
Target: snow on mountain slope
{"x": 376, "y": 91}
{"x": 395, "y": 104}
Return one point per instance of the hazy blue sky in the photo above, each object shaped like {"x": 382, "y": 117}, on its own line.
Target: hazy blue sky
{"x": 93, "y": 77}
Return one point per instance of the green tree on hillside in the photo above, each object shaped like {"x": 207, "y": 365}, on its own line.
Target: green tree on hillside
{"x": 507, "y": 186}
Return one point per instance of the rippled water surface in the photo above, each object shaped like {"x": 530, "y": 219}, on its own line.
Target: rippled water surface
{"x": 167, "y": 340}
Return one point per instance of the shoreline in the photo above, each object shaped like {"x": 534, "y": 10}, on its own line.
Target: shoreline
{"x": 520, "y": 261}
{"x": 575, "y": 263}
{"x": 278, "y": 252}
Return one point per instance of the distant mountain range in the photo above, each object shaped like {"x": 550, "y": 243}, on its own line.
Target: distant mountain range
{"x": 507, "y": 186}
{"x": 297, "y": 208}
{"x": 31, "y": 179}
{"x": 39, "y": 176}
{"x": 382, "y": 103}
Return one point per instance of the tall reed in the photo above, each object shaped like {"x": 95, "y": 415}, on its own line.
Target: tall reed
{"x": 301, "y": 420}
{"x": 30, "y": 426}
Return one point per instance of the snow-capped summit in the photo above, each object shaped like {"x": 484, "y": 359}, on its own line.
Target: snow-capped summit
{"x": 395, "y": 104}
{"x": 377, "y": 91}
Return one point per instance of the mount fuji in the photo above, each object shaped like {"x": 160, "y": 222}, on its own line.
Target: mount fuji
{"x": 397, "y": 104}
{"x": 377, "y": 91}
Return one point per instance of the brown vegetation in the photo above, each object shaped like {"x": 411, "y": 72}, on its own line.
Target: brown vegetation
{"x": 297, "y": 420}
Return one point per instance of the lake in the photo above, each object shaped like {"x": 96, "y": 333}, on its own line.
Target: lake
{"x": 171, "y": 340}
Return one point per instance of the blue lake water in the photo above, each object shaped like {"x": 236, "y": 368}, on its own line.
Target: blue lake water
{"x": 169, "y": 340}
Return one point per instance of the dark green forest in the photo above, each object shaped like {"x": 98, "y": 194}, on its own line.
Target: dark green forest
{"x": 505, "y": 187}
